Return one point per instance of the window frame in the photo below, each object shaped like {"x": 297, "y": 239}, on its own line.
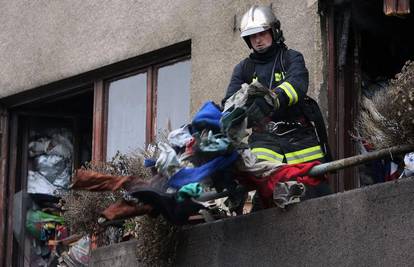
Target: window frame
{"x": 151, "y": 69}
{"x": 91, "y": 80}
{"x": 155, "y": 90}
{"x": 101, "y": 99}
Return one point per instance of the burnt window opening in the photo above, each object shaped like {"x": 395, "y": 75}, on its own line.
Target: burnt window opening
{"x": 386, "y": 41}
{"x": 365, "y": 48}
{"x": 75, "y": 113}
{"x": 384, "y": 45}
{"x": 49, "y": 138}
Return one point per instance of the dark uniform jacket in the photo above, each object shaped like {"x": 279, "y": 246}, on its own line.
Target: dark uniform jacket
{"x": 282, "y": 70}
{"x": 290, "y": 78}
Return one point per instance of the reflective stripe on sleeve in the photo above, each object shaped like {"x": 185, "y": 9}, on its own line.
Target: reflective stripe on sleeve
{"x": 290, "y": 92}
{"x": 267, "y": 154}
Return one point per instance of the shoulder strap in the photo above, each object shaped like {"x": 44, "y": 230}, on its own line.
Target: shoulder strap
{"x": 313, "y": 113}
{"x": 248, "y": 70}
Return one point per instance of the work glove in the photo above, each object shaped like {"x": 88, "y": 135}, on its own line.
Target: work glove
{"x": 257, "y": 111}
{"x": 281, "y": 100}
{"x": 256, "y": 90}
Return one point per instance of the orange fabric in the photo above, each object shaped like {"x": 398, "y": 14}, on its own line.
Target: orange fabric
{"x": 95, "y": 181}
{"x": 125, "y": 209}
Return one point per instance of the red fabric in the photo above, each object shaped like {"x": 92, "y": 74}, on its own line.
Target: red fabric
{"x": 392, "y": 176}
{"x": 266, "y": 185}
{"x": 290, "y": 172}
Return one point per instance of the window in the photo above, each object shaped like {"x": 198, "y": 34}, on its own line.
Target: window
{"x": 117, "y": 107}
{"x": 173, "y": 95}
{"x": 126, "y": 114}
{"x": 144, "y": 104}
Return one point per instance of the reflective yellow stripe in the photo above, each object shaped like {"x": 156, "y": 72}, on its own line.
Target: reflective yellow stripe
{"x": 304, "y": 151}
{"x": 290, "y": 92}
{"x": 295, "y": 94}
{"x": 267, "y": 154}
{"x": 306, "y": 159}
{"x": 266, "y": 158}
{"x": 278, "y": 76}
{"x": 287, "y": 93}
{"x": 304, "y": 155}
{"x": 268, "y": 151}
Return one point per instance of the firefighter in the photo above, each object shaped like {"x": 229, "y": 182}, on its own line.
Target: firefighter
{"x": 285, "y": 131}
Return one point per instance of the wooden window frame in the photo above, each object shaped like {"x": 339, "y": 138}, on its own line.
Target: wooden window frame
{"x": 102, "y": 89}
{"x": 343, "y": 95}
{"x": 93, "y": 80}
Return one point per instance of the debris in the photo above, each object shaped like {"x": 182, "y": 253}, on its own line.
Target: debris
{"x": 387, "y": 119}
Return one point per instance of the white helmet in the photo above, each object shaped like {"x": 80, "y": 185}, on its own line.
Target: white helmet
{"x": 260, "y": 19}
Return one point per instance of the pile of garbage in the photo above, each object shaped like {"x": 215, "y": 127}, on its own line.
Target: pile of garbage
{"x": 82, "y": 208}
{"x": 50, "y": 163}
{"x": 50, "y": 158}
{"x": 163, "y": 187}
{"x": 156, "y": 237}
{"x": 208, "y": 154}
{"x": 387, "y": 118}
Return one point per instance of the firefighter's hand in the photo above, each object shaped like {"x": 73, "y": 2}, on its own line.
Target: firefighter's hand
{"x": 280, "y": 100}
{"x": 257, "y": 111}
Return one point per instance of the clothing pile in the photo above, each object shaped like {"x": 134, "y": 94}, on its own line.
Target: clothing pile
{"x": 208, "y": 153}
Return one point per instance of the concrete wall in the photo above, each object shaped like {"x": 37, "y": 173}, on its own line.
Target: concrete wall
{"x": 122, "y": 254}
{"x": 372, "y": 226}
{"x": 45, "y": 41}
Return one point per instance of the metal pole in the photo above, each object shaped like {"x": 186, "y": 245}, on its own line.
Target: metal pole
{"x": 359, "y": 159}
{"x": 333, "y": 166}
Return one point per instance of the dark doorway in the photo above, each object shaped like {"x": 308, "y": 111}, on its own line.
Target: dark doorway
{"x": 364, "y": 47}
{"x": 49, "y": 138}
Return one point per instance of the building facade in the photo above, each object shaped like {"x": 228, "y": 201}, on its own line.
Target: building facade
{"x": 117, "y": 72}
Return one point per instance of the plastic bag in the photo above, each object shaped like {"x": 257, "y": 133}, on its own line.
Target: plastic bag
{"x": 409, "y": 164}
{"x": 80, "y": 251}
{"x": 37, "y": 184}
{"x": 36, "y": 219}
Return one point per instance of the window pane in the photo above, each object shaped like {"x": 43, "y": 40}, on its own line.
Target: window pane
{"x": 126, "y": 114}
{"x": 173, "y": 95}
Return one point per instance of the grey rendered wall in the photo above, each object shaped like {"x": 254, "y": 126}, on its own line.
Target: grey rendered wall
{"x": 45, "y": 41}
{"x": 371, "y": 226}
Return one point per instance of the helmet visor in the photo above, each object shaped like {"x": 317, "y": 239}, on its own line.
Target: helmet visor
{"x": 252, "y": 31}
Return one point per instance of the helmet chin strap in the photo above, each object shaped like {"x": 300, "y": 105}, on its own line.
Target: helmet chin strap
{"x": 262, "y": 51}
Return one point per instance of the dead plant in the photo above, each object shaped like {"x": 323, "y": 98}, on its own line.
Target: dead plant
{"x": 156, "y": 237}
{"x": 387, "y": 119}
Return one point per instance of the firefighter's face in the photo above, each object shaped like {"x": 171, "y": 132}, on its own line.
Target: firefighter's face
{"x": 261, "y": 41}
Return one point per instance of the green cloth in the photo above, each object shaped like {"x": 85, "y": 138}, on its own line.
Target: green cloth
{"x": 35, "y": 220}
{"x": 188, "y": 191}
